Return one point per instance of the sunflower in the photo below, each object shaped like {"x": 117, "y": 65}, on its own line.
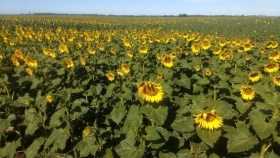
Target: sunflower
{"x": 1, "y": 56}
{"x": 247, "y": 92}
{"x": 247, "y": 47}
{"x": 197, "y": 68}
{"x": 79, "y": 44}
{"x": 262, "y": 50}
{"x": 143, "y": 49}
{"x": 159, "y": 56}
{"x": 187, "y": 53}
{"x": 226, "y": 55}
{"x": 150, "y": 91}
{"x": 69, "y": 62}
{"x": 167, "y": 61}
{"x": 205, "y": 44}
{"x": 195, "y": 48}
{"x": 63, "y": 48}
{"x": 49, "y": 98}
{"x": 255, "y": 76}
{"x": 246, "y": 41}
{"x": 209, "y": 120}
{"x": 110, "y": 76}
{"x": 276, "y": 80}
{"x": 240, "y": 49}
{"x": 86, "y": 131}
{"x": 274, "y": 44}
{"x": 247, "y": 57}
{"x": 100, "y": 46}
{"x": 125, "y": 68}
{"x": 15, "y": 60}
{"x": 51, "y": 53}
{"x": 30, "y": 62}
{"x": 120, "y": 72}
{"x": 83, "y": 61}
{"x": 274, "y": 55}
{"x": 216, "y": 50}
{"x": 159, "y": 75}
{"x": 207, "y": 72}
{"x": 90, "y": 50}
{"x": 271, "y": 67}
{"x": 29, "y": 71}
{"x": 129, "y": 53}
{"x": 18, "y": 54}
{"x": 222, "y": 42}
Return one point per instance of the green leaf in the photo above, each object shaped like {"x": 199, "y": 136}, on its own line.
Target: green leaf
{"x": 118, "y": 114}
{"x": 109, "y": 90}
{"x": 55, "y": 118}
{"x": 184, "y": 81}
{"x": 208, "y": 136}
{"x": 158, "y": 115}
{"x": 66, "y": 94}
{"x": 167, "y": 155}
{"x": 32, "y": 150}
{"x": 271, "y": 155}
{"x": 152, "y": 133}
{"x": 185, "y": 124}
{"x": 10, "y": 148}
{"x": 203, "y": 81}
{"x": 263, "y": 128}
{"x": 63, "y": 135}
{"x": 87, "y": 146}
{"x": 35, "y": 83}
{"x": 126, "y": 150}
{"x": 56, "y": 82}
{"x": 133, "y": 119}
{"x": 31, "y": 128}
{"x": 5, "y": 123}
{"x": 242, "y": 106}
{"x": 60, "y": 71}
{"x": 240, "y": 139}
{"x": 184, "y": 153}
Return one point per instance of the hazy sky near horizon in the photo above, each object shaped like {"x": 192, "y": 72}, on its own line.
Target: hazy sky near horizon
{"x": 143, "y": 7}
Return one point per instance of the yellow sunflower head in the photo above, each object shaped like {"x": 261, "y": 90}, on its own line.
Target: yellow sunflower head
{"x": 197, "y": 68}
{"x": 49, "y": 98}
{"x": 262, "y": 50}
{"x": 195, "y": 48}
{"x": 209, "y": 120}
{"x": 30, "y": 62}
{"x": 1, "y": 56}
{"x": 129, "y": 53}
{"x": 276, "y": 80}
{"x": 159, "y": 75}
{"x": 208, "y": 72}
{"x": 69, "y": 62}
{"x": 216, "y": 50}
{"x": 18, "y": 54}
{"x": 246, "y": 41}
{"x": 86, "y": 131}
{"x": 110, "y": 76}
{"x": 240, "y": 49}
{"x": 205, "y": 44}
{"x": 120, "y": 72}
{"x": 143, "y": 49}
{"x": 125, "y": 68}
{"x": 247, "y": 92}
{"x": 255, "y": 76}
{"x": 167, "y": 61}
{"x": 274, "y": 55}
{"x": 159, "y": 56}
{"x": 271, "y": 67}
{"x": 63, "y": 48}
{"x": 15, "y": 60}
{"x": 150, "y": 91}
{"x": 222, "y": 42}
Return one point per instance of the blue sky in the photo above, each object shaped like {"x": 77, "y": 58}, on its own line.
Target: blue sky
{"x": 143, "y": 7}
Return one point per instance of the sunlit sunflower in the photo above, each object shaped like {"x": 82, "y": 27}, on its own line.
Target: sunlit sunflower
{"x": 51, "y": 53}
{"x": 240, "y": 49}
{"x": 29, "y": 71}
{"x": 159, "y": 75}
{"x": 274, "y": 55}
{"x": 167, "y": 61}
{"x": 129, "y": 53}
{"x": 222, "y": 42}
{"x": 159, "y": 56}
{"x": 195, "y": 48}
{"x": 226, "y": 55}
{"x": 110, "y": 76}
{"x": 69, "y": 62}
{"x": 1, "y": 56}
{"x": 197, "y": 68}
{"x": 187, "y": 53}
{"x": 209, "y": 120}
{"x": 83, "y": 61}
{"x": 271, "y": 67}
{"x": 30, "y": 62}
{"x": 205, "y": 44}
{"x": 49, "y": 98}
{"x": 216, "y": 50}
{"x": 120, "y": 72}
{"x": 18, "y": 54}
{"x": 100, "y": 46}
{"x": 274, "y": 44}
{"x": 127, "y": 43}
{"x": 86, "y": 131}
{"x": 143, "y": 49}
{"x": 208, "y": 72}
{"x": 276, "y": 80}
{"x": 15, "y": 60}
{"x": 172, "y": 55}
{"x": 246, "y": 41}
{"x": 150, "y": 91}
{"x": 63, "y": 48}
{"x": 90, "y": 50}
{"x": 247, "y": 47}
{"x": 125, "y": 68}
{"x": 247, "y": 57}
{"x": 247, "y": 92}
{"x": 255, "y": 76}
{"x": 262, "y": 50}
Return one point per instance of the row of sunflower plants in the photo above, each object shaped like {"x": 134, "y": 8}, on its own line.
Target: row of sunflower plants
{"x": 84, "y": 87}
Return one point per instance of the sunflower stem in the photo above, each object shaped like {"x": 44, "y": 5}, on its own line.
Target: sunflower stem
{"x": 275, "y": 113}
{"x": 215, "y": 93}
{"x": 263, "y": 150}
{"x": 7, "y": 90}
{"x": 152, "y": 122}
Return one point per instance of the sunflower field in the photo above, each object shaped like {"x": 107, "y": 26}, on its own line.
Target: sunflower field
{"x": 86, "y": 86}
